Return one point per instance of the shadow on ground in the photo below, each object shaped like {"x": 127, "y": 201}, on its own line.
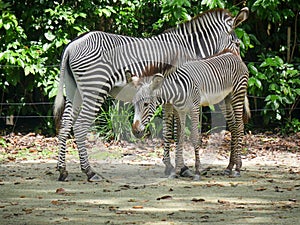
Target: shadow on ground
{"x": 138, "y": 193}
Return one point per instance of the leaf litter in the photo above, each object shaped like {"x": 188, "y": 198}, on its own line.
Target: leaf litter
{"x": 267, "y": 193}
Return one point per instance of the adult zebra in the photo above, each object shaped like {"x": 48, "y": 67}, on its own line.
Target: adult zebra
{"x": 197, "y": 83}
{"x": 94, "y": 65}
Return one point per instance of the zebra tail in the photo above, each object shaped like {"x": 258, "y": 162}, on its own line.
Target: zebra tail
{"x": 59, "y": 99}
{"x": 247, "y": 112}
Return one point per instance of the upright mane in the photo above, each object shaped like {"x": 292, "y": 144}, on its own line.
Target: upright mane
{"x": 159, "y": 67}
{"x": 196, "y": 18}
{"x": 166, "y": 69}
{"x": 226, "y": 50}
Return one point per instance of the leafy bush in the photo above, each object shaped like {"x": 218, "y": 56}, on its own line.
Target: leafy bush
{"x": 279, "y": 83}
{"x": 34, "y": 33}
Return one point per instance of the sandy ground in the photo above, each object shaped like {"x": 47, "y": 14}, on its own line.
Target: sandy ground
{"x": 268, "y": 192}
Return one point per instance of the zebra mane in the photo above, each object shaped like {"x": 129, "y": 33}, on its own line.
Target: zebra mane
{"x": 166, "y": 68}
{"x": 159, "y": 67}
{"x": 197, "y": 17}
{"x": 226, "y": 50}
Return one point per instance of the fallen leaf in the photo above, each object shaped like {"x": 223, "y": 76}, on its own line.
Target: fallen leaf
{"x": 198, "y": 200}
{"x": 223, "y": 202}
{"x": 27, "y": 210}
{"x": 212, "y": 185}
{"x": 166, "y": 197}
{"x": 55, "y": 202}
{"x": 277, "y": 189}
{"x": 260, "y": 189}
{"x": 60, "y": 191}
{"x": 137, "y": 207}
{"x": 204, "y": 217}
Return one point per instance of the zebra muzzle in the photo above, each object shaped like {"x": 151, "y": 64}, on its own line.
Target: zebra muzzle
{"x": 136, "y": 129}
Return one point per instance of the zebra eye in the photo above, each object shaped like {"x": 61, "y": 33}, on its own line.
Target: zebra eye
{"x": 146, "y": 104}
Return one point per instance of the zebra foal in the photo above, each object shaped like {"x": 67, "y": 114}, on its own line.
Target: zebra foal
{"x": 197, "y": 83}
{"x": 94, "y": 66}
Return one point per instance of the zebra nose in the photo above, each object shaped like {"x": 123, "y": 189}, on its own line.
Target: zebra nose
{"x": 135, "y": 125}
{"x": 136, "y": 129}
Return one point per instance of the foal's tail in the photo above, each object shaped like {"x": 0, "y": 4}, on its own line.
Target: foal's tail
{"x": 247, "y": 112}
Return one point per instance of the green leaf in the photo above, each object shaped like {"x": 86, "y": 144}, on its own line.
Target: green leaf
{"x": 278, "y": 116}
{"x": 6, "y": 26}
{"x": 49, "y": 36}
{"x": 273, "y": 87}
{"x": 253, "y": 70}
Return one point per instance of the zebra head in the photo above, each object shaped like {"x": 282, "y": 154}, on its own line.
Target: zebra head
{"x": 145, "y": 102}
{"x": 229, "y": 39}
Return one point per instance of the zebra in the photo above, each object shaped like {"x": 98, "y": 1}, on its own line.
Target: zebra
{"x": 96, "y": 65}
{"x": 204, "y": 82}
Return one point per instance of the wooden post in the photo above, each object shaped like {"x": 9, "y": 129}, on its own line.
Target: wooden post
{"x": 288, "y": 45}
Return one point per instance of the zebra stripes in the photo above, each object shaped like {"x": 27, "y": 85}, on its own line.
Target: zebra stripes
{"x": 95, "y": 64}
{"x": 198, "y": 83}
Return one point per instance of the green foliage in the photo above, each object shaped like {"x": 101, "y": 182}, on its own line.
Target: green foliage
{"x": 34, "y": 33}
{"x": 115, "y": 123}
{"x": 272, "y": 11}
{"x": 173, "y": 12}
{"x": 292, "y": 126}
{"x": 155, "y": 124}
{"x": 279, "y": 83}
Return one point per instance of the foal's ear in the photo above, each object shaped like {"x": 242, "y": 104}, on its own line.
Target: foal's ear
{"x": 157, "y": 81}
{"x": 135, "y": 80}
{"x": 131, "y": 78}
{"x": 241, "y": 17}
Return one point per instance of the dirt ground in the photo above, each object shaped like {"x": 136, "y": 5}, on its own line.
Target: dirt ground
{"x": 137, "y": 192}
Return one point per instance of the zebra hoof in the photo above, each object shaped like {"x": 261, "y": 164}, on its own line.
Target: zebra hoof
{"x": 197, "y": 177}
{"x": 169, "y": 170}
{"x": 185, "y": 172}
{"x": 63, "y": 176}
{"x": 227, "y": 172}
{"x": 95, "y": 178}
{"x": 236, "y": 174}
{"x": 173, "y": 176}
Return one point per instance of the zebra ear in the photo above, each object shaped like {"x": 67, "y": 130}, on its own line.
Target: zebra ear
{"x": 241, "y": 17}
{"x": 135, "y": 80}
{"x": 128, "y": 76}
{"x": 157, "y": 81}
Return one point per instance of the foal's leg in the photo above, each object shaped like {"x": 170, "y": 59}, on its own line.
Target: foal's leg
{"x": 233, "y": 111}
{"x": 196, "y": 140}
{"x": 167, "y": 136}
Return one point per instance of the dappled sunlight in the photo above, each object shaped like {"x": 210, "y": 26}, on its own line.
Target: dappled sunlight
{"x": 138, "y": 191}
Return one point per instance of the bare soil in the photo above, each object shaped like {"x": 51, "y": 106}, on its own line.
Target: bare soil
{"x": 136, "y": 190}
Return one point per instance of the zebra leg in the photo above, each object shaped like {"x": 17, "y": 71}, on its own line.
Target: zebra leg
{"x": 65, "y": 128}
{"x": 179, "y": 163}
{"x": 180, "y": 129}
{"x": 196, "y": 140}
{"x": 227, "y": 110}
{"x": 81, "y": 127}
{"x": 238, "y": 133}
{"x": 233, "y": 115}
{"x": 167, "y": 136}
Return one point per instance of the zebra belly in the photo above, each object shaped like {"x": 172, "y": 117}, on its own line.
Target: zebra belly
{"x": 207, "y": 99}
{"x": 125, "y": 93}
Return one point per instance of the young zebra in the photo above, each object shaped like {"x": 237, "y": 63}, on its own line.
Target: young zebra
{"x": 197, "y": 83}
